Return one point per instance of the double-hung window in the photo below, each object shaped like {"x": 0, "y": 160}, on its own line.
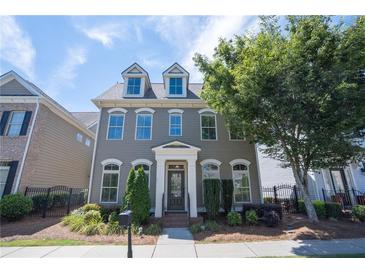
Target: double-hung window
{"x": 208, "y": 127}
{"x": 175, "y": 124}
{"x": 241, "y": 183}
{"x": 144, "y": 127}
{"x": 134, "y": 86}
{"x": 116, "y": 126}
{"x": 15, "y": 123}
{"x": 109, "y": 190}
{"x": 175, "y": 86}
{"x": 4, "y": 172}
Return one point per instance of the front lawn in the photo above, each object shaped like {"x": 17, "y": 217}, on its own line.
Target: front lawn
{"x": 292, "y": 227}
{"x": 42, "y": 242}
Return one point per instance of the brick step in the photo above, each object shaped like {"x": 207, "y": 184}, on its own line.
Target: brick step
{"x": 172, "y": 219}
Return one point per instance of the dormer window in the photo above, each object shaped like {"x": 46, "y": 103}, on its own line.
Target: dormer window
{"x": 176, "y": 86}
{"x": 134, "y": 86}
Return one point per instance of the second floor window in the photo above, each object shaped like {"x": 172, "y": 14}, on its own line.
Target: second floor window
{"x": 116, "y": 125}
{"x": 208, "y": 127}
{"x": 15, "y": 123}
{"x": 134, "y": 86}
{"x": 144, "y": 127}
{"x": 79, "y": 137}
{"x": 175, "y": 86}
{"x": 175, "y": 125}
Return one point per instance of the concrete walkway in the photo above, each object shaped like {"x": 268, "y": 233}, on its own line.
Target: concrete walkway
{"x": 178, "y": 243}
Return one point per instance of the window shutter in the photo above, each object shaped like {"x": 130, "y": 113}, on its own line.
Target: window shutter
{"x": 10, "y": 179}
{"x": 25, "y": 125}
{"x": 3, "y": 122}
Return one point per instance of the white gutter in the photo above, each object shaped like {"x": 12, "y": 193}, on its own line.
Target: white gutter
{"x": 16, "y": 189}
{"x": 93, "y": 159}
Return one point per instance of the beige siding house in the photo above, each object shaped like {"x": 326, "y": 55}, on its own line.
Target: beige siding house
{"x": 42, "y": 144}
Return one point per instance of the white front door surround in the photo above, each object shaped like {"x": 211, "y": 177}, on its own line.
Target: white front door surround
{"x": 176, "y": 151}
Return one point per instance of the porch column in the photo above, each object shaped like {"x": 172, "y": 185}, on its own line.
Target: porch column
{"x": 192, "y": 186}
{"x": 160, "y": 186}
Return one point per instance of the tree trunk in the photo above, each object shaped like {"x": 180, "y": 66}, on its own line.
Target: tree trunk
{"x": 299, "y": 180}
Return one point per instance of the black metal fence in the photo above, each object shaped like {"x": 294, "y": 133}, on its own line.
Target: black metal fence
{"x": 347, "y": 198}
{"x": 55, "y": 201}
{"x": 286, "y": 195}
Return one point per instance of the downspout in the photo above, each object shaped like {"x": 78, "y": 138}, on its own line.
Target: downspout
{"x": 94, "y": 156}
{"x": 259, "y": 174}
{"x": 17, "y": 184}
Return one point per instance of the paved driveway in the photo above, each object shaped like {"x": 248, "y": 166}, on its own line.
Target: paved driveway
{"x": 178, "y": 243}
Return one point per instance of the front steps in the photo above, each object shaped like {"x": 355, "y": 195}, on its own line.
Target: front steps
{"x": 175, "y": 219}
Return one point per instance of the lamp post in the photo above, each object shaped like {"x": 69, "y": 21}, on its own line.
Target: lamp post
{"x": 125, "y": 219}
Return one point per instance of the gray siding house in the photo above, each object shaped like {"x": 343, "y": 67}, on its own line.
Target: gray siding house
{"x": 167, "y": 129}
{"x": 41, "y": 143}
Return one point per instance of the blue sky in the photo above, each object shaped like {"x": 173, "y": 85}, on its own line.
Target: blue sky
{"x": 74, "y": 59}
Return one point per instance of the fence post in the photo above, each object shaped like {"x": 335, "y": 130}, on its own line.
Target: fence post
{"x": 324, "y": 195}
{"x": 26, "y": 191}
{"x": 296, "y": 198}
{"x": 45, "y": 203}
{"x": 69, "y": 201}
{"x": 275, "y": 195}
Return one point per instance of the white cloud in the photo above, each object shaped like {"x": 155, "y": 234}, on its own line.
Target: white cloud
{"x": 105, "y": 34}
{"x": 16, "y": 46}
{"x": 66, "y": 73}
{"x": 190, "y": 35}
{"x": 207, "y": 40}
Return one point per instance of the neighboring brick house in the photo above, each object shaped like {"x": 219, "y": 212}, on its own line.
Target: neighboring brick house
{"x": 169, "y": 131}
{"x": 42, "y": 144}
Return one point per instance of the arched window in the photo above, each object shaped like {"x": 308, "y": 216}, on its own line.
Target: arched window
{"x": 110, "y": 181}
{"x": 210, "y": 170}
{"x": 241, "y": 181}
{"x": 145, "y": 165}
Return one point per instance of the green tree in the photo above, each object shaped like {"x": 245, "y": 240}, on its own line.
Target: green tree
{"x": 129, "y": 188}
{"x": 294, "y": 90}
{"x": 140, "y": 199}
{"x": 211, "y": 197}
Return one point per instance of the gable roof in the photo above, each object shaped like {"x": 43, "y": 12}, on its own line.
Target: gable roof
{"x": 138, "y": 67}
{"x": 43, "y": 98}
{"x": 87, "y": 118}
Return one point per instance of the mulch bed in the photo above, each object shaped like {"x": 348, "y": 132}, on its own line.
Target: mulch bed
{"x": 51, "y": 228}
{"x": 292, "y": 227}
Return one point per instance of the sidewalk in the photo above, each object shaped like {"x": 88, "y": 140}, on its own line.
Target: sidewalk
{"x": 178, "y": 243}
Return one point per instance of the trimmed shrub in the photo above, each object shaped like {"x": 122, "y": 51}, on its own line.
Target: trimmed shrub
{"x": 262, "y": 209}
{"x": 358, "y": 212}
{"x": 227, "y": 192}
{"x": 106, "y": 211}
{"x": 92, "y": 217}
{"x": 196, "y": 228}
{"x": 272, "y": 219}
{"x": 15, "y": 206}
{"x": 211, "y": 197}
{"x": 89, "y": 207}
{"x": 113, "y": 228}
{"x": 333, "y": 210}
{"x": 251, "y": 217}
{"x": 113, "y": 217}
{"x": 211, "y": 225}
{"x": 320, "y": 208}
{"x": 234, "y": 218}
{"x": 153, "y": 229}
{"x": 140, "y": 199}
{"x": 39, "y": 202}
{"x": 129, "y": 189}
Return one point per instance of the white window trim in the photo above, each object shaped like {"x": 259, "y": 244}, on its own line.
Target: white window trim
{"x": 135, "y": 134}
{"x": 9, "y": 123}
{"x": 246, "y": 163}
{"x": 104, "y": 163}
{"x": 206, "y": 110}
{"x": 210, "y": 161}
{"x": 123, "y": 110}
{"x": 175, "y": 110}
{"x": 144, "y": 162}
{"x": 183, "y": 83}
{"x": 235, "y": 140}
{"x": 201, "y": 126}
{"x": 141, "y": 89}
{"x": 181, "y": 124}
{"x": 107, "y": 132}
{"x": 150, "y": 110}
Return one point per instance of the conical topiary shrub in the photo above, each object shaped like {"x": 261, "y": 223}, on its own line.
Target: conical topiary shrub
{"x": 129, "y": 188}
{"x": 140, "y": 199}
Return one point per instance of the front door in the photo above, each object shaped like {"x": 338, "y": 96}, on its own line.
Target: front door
{"x": 176, "y": 191}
